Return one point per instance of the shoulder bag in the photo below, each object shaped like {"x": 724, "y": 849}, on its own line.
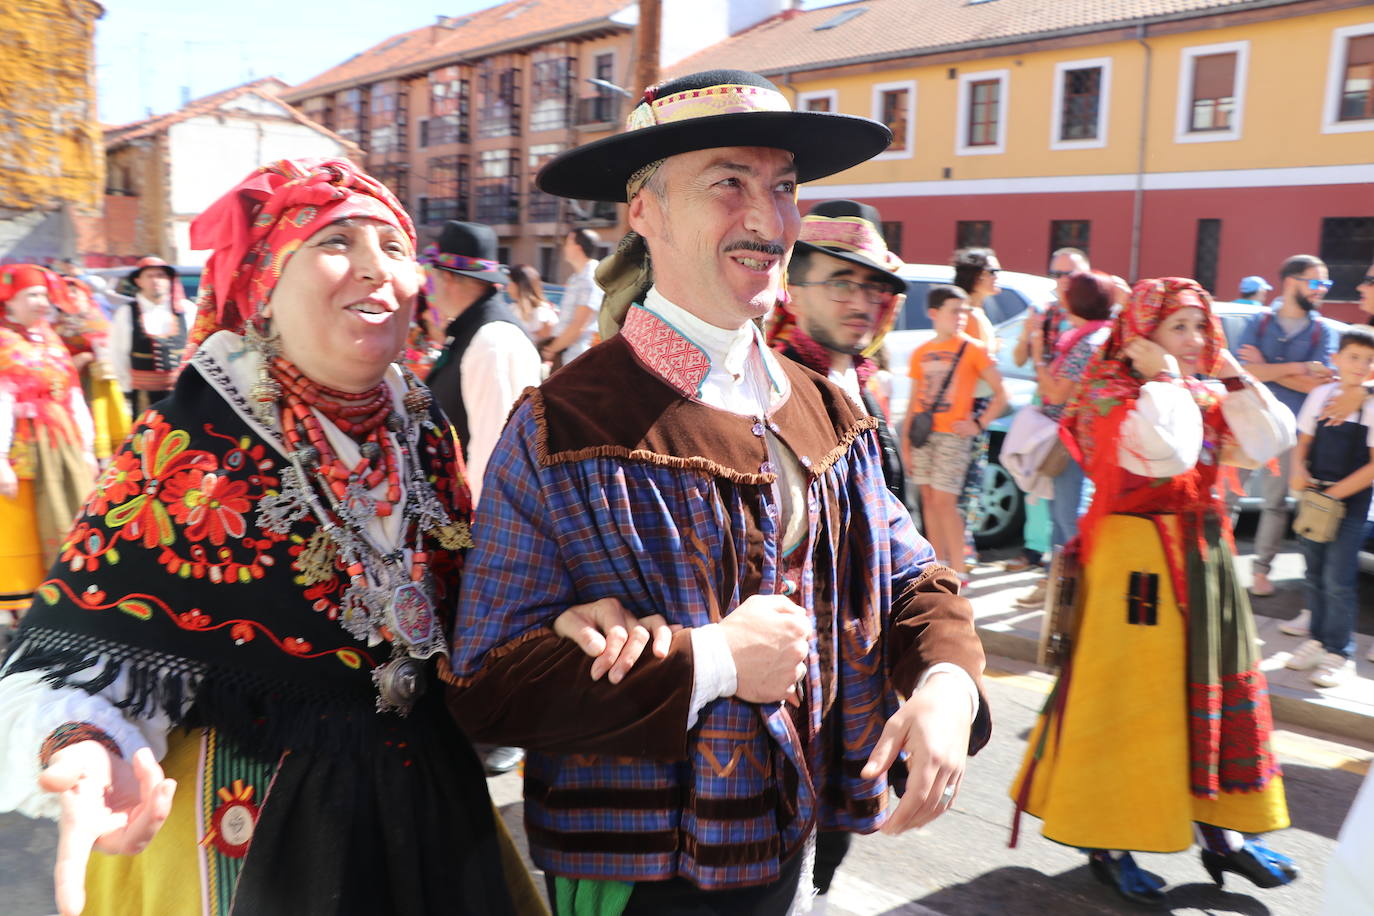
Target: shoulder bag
{"x": 923, "y": 421}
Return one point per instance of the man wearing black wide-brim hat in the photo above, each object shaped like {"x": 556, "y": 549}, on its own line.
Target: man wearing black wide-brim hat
{"x": 488, "y": 359}
{"x": 727, "y": 507}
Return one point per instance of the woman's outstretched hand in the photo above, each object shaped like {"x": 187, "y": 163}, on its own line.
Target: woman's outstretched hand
{"x": 108, "y": 803}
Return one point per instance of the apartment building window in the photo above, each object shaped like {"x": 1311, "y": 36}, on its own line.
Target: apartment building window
{"x": 1070, "y": 233}
{"x": 983, "y": 101}
{"x": 394, "y": 176}
{"x": 1081, "y": 92}
{"x": 320, "y": 109}
{"x": 1211, "y": 92}
{"x": 604, "y": 107}
{"x": 1350, "y": 81}
{"x": 895, "y": 105}
{"x": 499, "y": 86}
{"x": 447, "y": 182}
{"x": 1206, "y": 252}
{"x": 1347, "y": 247}
{"x": 386, "y": 119}
{"x": 822, "y": 100}
{"x": 973, "y": 233}
{"x": 348, "y": 109}
{"x": 448, "y": 109}
{"x": 892, "y": 234}
{"x": 551, "y": 93}
{"x": 548, "y": 263}
{"x": 541, "y": 207}
{"x": 498, "y": 189}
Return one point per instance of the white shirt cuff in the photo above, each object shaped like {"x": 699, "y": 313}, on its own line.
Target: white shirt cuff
{"x": 713, "y": 669}
{"x": 951, "y": 668}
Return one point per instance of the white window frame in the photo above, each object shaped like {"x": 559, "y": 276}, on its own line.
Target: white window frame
{"x": 1335, "y": 76}
{"x": 1187, "y": 65}
{"x": 1003, "y": 77}
{"x": 876, "y": 104}
{"x": 830, "y": 95}
{"x": 1104, "y": 103}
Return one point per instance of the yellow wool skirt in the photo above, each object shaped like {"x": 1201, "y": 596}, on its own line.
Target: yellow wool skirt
{"x": 1113, "y": 770}
{"x": 109, "y": 412}
{"x": 21, "y": 554}
{"x": 186, "y": 870}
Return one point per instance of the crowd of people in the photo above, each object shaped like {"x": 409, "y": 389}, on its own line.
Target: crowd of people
{"x": 652, "y": 542}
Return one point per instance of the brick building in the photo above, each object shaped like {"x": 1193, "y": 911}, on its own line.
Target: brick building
{"x": 51, "y": 167}
{"x": 457, "y": 117}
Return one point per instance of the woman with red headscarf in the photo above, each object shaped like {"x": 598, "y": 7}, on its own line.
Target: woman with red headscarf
{"x": 235, "y": 662}
{"x": 46, "y": 463}
{"x": 85, "y": 330}
{"x": 1157, "y": 731}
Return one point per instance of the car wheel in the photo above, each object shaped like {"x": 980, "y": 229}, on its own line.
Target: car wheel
{"x": 1004, "y": 508}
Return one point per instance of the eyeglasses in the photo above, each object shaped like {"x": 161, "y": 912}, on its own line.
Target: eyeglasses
{"x": 1316, "y": 283}
{"x": 993, "y": 270}
{"x": 1056, "y": 274}
{"x": 844, "y": 290}
{"x": 1367, "y": 281}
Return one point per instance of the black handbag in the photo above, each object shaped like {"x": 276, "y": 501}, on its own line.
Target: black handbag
{"x": 923, "y": 421}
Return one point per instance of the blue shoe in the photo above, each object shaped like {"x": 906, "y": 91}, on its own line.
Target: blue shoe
{"x": 1131, "y": 883}
{"x": 1255, "y": 861}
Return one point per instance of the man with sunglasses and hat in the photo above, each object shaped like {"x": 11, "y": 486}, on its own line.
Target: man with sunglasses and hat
{"x": 148, "y": 334}
{"x": 1289, "y": 348}
{"x": 845, "y": 293}
{"x": 728, "y": 508}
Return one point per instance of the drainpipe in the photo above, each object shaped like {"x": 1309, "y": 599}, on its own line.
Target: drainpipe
{"x": 1138, "y": 203}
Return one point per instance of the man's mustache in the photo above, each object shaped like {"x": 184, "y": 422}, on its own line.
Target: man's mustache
{"x": 761, "y": 247}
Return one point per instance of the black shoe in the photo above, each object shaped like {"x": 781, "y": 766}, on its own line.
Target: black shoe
{"x": 503, "y": 760}
{"x": 1261, "y": 865}
{"x": 1127, "y": 879}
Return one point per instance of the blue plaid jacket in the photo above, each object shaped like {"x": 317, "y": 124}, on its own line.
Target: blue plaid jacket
{"x": 582, "y": 502}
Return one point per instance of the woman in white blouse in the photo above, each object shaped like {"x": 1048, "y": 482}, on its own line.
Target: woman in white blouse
{"x": 1157, "y": 733}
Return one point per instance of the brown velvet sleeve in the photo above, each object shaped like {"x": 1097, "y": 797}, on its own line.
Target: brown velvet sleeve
{"x": 932, "y": 623}
{"x": 538, "y": 692}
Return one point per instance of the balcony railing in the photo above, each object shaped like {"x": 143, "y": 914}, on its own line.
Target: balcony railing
{"x": 441, "y": 209}
{"x": 498, "y": 203}
{"x": 543, "y": 208}
{"x": 599, "y": 109}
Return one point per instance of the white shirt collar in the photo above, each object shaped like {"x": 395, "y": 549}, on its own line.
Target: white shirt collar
{"x": 728, "y": 350}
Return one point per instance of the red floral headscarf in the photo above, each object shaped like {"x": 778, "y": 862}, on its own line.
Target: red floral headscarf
{"x": 1109, "y": 379}
{"x": 256, "y": 227}
{"x": 15, "y": 278}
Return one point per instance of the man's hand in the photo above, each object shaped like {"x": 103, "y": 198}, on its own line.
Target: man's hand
{"x": 9, "y": 481}
{"x": 107, "y": 804}
{"x": 933, "y": 728}
{"x": 1299, "y": 480}
{"x": 966, "y": 428}
{"x": 613, "y": 636}
{"x": 769, "y": 638}
{"x": 1251, "y": 354}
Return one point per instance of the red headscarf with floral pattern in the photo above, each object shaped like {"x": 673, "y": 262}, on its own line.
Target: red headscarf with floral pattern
{"x": 1109, "y": 379}
{"x": 256, "y": 227}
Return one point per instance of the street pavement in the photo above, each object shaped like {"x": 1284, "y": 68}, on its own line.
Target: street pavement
{"x": 960, "y": 865}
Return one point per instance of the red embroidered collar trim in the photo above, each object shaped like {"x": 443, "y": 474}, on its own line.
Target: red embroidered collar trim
{"x": 666, "y": 351}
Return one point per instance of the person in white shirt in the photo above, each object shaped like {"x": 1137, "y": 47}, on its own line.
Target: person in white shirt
{"x": 581, "y": 299}
{"x": 488, "y": 360}
{"x": 149, "y": 334}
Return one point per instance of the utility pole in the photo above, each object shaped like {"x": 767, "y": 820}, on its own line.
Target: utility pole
{"x": 647, "y": 39}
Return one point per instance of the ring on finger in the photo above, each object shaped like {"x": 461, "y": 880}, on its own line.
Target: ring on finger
{"x": 947, "y": 796}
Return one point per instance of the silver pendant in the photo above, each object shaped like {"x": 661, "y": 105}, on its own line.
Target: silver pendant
{"x": 399, "y": 683}
{"x": 411, "y": 614}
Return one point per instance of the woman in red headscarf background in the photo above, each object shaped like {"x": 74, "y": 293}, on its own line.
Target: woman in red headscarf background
{"x": 235, "y": 660}
{"x": 46, "y": 436}
{"x": 1158, "y": 729}
{"x": 85, "y": 330}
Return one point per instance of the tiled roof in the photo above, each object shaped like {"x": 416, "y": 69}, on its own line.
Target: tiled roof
{"x": 878, "y": 29}
{"x": 456, "y": 35}
{"x": 268, "y": 89}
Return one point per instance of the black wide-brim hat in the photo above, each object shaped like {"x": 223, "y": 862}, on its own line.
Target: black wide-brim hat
{"x": 853, "y": 232}
{"x": 468, "y": 249}
{"x": 708, "y": 110}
